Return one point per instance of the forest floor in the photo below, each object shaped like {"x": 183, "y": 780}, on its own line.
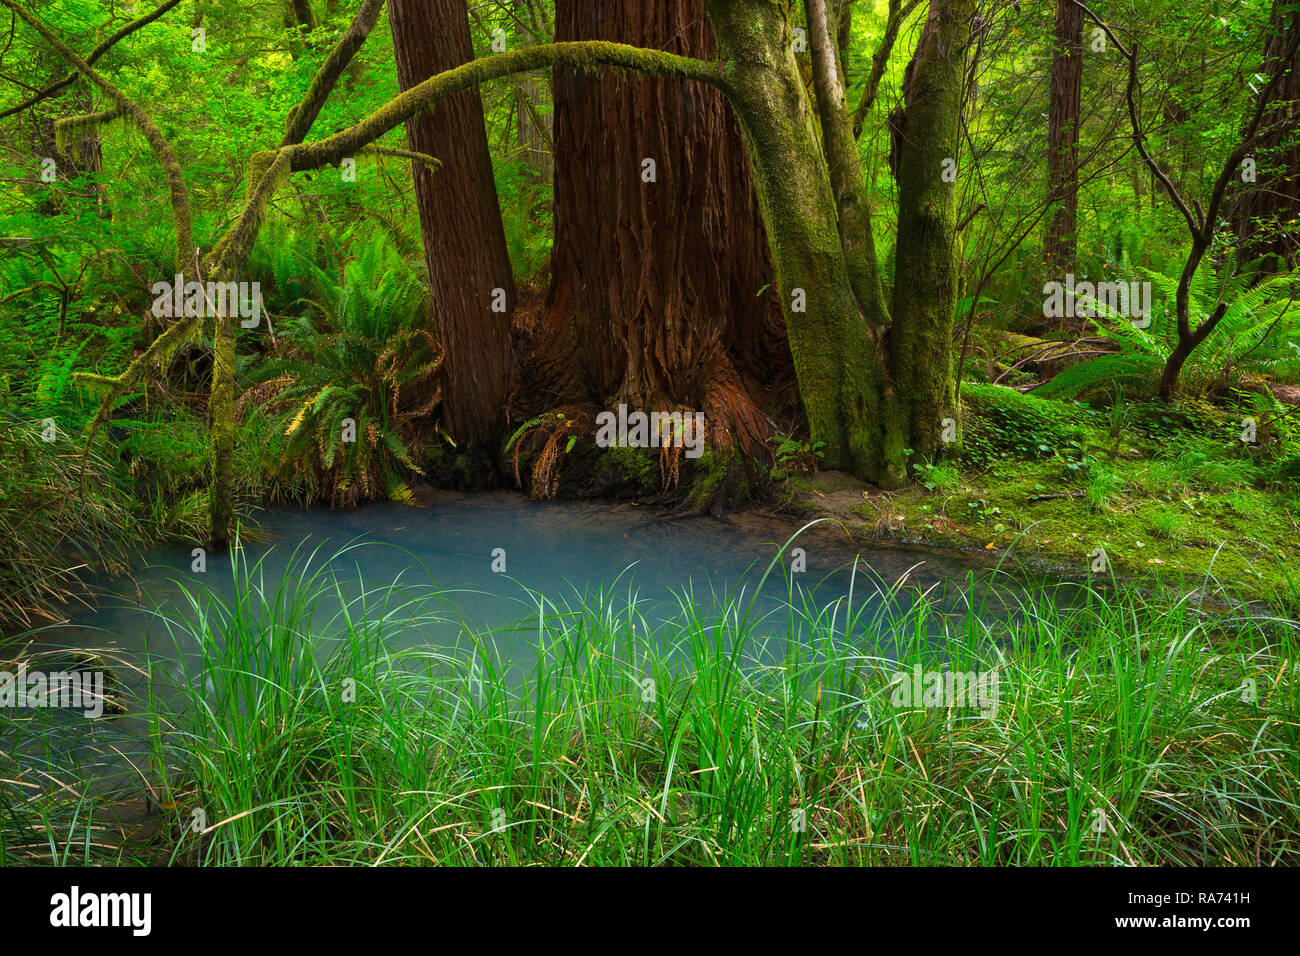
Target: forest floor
{"x": 1237, "y": 536}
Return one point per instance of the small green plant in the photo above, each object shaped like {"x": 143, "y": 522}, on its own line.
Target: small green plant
{"x": 1286, "y": 471}
{"x": 1241, "y": 503}
{"x": 795, "y": 456}
{"x": 1166, "y": 523}
{"x": 1103, "y": 486}
{"x": 1202, "y": 467}
{"x": 560, "y": 433}
{"x": 942, "y": 477}
{"x": 1076, "y": 457}
{"x": 1120, "y": 413}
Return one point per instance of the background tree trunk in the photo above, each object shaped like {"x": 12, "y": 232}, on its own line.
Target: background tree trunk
{"x": 84, "y": 154}
{"x": 464, "y": 241}
{"x": 533, "y": 99}
{"x": 1064, "y": 109}
{"x": 300, "y": 20}
{"x": 656, "y": 297}
{"x": 1274, "y": 198}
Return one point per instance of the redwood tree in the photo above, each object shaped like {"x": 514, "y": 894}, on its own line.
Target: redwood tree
{"x": 471, "y": 286}
{"x": 660, "y": 262}
{"x": 862, "y": 395}
{"x": 1274, "y": 198}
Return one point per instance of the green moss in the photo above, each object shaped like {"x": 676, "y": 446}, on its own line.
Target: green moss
{"x": 707, "y": 480}
{"x": 72, "y": 128}
{"x": 1168, "y": 521}
{"x": 632, "y": 470}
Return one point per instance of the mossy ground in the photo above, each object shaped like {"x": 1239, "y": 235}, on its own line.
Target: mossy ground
{"x": 1171, "y": 503}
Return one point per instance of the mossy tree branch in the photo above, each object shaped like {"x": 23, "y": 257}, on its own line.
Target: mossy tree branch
{"x": 69, "y": 126}
{"x": 582, "y": 54}
{"x": 302, "y": 116}
{"x": 424, "y": 159}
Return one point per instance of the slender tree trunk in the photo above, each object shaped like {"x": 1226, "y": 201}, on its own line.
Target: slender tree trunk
{"x": 300, "y": 20}
{"x": 532, "y": 103}
{"x": 300, "y": 12}
{"x": 1173, "y": 368}
{"x": 1063, "y": 139}
{"x": 659, "y": 254}
{"x": 926, "y": 274}
{"x": 472, "y": 290}
{"x": 221, "y": 427}
{"x": 844, "y": 37}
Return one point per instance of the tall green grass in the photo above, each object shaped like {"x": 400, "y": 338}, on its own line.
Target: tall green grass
{"x": 600, "y": 733}
{"x": 60, "y": 514}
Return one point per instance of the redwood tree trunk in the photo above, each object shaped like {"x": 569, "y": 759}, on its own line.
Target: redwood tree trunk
{"x": 464, "y": 241}
{"x": 1063, "y": 139}
{"x": 1275, "y": 196}
{"x": 657, "y": 286}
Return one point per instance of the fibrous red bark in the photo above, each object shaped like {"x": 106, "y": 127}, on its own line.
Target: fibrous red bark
{"x": 471, "y": 286}
{"x": 661, "y": 282}
{"x": 1274, "y": 198}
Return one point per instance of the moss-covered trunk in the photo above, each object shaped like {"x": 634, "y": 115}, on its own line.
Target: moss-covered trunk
{"x": 838, "y": 360}
{"x": 221, "y": 412}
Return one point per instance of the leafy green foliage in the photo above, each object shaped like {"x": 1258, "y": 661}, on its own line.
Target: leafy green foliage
{"x": 1001, "y": 423}
{"x": 1254, "y": 336}
{"x": 794, "y": 456}
{"x": 353, "y": 390}
{"x": 942, "y": 477}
